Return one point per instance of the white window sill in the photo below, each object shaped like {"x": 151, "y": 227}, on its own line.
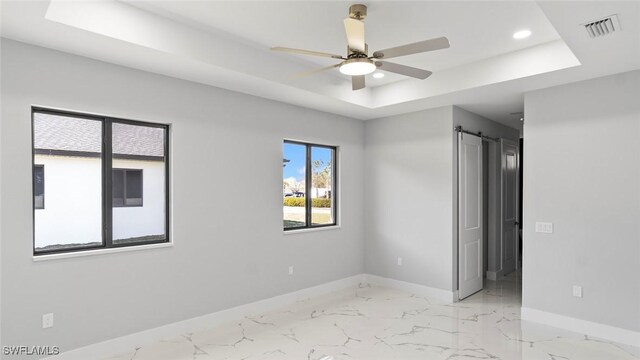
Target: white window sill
{"x": 306, "y": 230}
{"x": 82, "y": 253}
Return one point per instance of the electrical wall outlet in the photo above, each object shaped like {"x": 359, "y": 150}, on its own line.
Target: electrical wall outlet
{"x": 577, "y": 291}
{"x": 399, "y": 261}
{"x": 544, "y": 227}
{"x": 47, "y": 320}
{"x": 290, "y": 270}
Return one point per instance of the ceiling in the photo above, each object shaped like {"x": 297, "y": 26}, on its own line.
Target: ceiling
{"x": 226, "y": 44}
{"x": 318, "y": 26}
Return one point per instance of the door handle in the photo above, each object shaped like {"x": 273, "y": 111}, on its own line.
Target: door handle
{"x": 516, "y": 223}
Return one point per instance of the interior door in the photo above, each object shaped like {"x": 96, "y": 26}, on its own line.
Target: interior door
{"x": 510, "y": 223}
{"x": 469, "y": 215}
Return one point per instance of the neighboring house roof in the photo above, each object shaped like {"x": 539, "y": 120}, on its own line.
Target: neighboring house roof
{"x": 60, "y": 134}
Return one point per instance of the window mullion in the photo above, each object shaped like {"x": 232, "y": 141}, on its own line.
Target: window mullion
{"x": 334, "y": 186}
{"x": 307, "y": 189}
{"x": 124, "y": 188}
{"x": 107, "y": 179}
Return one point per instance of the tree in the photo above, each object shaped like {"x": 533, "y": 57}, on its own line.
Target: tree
{"x": 321, "y": 176}
{"x": 297, "y": 186}
{"x": 292, "y": 184}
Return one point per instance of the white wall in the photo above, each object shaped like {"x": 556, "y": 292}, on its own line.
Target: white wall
{"x": 223, "y": 255}
{"x": 408, "y": 205}
{"x": 582, "y": 173}
{"x": 148, "y": 219}
{"x": 72, "y": 211}
{"x": 73, "y": 201}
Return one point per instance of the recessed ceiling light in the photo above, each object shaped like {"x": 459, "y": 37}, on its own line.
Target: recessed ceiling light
{"x": 522, "y": 34}
{"x": 378, "y": 75}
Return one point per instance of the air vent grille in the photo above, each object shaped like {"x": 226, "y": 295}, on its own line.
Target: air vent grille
{"x": 602, "y": 27}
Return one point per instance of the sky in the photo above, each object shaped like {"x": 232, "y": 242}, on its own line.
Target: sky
{"x": 297, "y": 154}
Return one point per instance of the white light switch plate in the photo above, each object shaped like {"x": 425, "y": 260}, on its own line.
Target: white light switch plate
{"x": 399, "y": 261}
{"x": 544, "y": 227}
{"x": 290, "y": 270}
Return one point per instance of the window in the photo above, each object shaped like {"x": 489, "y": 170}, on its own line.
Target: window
{"x": 308, "y": 185}
{"x": 95, "y": 183}
{"x": 38, "y": 186}
{"x": 127, "y": 187}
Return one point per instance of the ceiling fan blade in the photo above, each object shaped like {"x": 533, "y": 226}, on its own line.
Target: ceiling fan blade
{"x": 415, "y": 48}
{"x": 311, "y": 72}
{"x": 403, "y": 70}
{"x": 357, "y": 82}
{"x": 355, "y": 34}
{"x": 306, "y": 52}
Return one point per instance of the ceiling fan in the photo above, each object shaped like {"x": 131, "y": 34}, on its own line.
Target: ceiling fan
{"x": 358, "y": 63}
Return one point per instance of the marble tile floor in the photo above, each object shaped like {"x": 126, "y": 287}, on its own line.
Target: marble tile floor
{"x": 370, "y": 323}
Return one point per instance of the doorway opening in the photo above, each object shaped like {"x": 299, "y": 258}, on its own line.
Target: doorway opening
{"x": 489, "y": 210}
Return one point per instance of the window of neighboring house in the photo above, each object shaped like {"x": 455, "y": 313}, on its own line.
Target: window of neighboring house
{"x": 95, "y": 182}
{"x": 308, "y": 185}
{"x": 127, "y": 187}
{"x": 38, "y": 186}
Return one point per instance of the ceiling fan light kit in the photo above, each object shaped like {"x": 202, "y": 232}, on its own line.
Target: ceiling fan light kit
{"x": 358, "y": 63}
{"x": 357, "y": 66}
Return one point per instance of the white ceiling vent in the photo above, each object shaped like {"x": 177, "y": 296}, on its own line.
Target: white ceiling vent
{"x": 602, "y": 27}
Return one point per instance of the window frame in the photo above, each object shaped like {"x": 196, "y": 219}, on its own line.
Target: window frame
{"x": 35, "y": 166}
{"x": 124, "y": 199}
{"x": 308, "y": 185}
{"x": 106, "y": 156}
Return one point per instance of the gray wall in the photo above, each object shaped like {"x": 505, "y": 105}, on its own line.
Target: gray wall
{"x": 411, "y": 202}
{"x": 1, "y": 120}
{"x": 229, "y": 244}
{"x": 408, "y": 197}
{"x": 476, "y": 123}
{"x": 582, "y": 173}
{"x": 225, "y": 255}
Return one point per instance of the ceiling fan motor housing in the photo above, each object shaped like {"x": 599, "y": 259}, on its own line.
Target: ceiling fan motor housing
{"x": 358, "y": 11}
{"x": 356, "y": 54}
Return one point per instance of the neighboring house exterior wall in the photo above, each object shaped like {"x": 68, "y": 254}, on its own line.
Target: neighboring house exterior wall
{"x": 315, "y": 192}
{"x": 72, "y": 195}
{"x": 148, "y": 219}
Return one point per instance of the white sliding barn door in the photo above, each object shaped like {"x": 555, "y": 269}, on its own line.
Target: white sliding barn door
{"x": 469, "y": 215}
{"x": 509, "y": 206}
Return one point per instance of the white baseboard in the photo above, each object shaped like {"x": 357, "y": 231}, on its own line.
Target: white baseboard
{"x": 607, "y": 332}
{"x": 422, "y": 290}
{"x": 129, "y": 342}
{"x": 494, "y": 275}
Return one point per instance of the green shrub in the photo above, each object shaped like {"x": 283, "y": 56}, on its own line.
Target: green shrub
{"x": 299, "y": 201}
{"x": 323, "y": 203}
{"x": 294, "y": 201}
